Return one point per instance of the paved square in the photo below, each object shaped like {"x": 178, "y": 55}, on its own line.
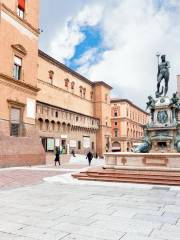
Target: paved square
{"x": 53, "y": 210}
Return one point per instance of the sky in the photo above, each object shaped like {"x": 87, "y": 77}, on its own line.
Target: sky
{"x": 115, "y": 41}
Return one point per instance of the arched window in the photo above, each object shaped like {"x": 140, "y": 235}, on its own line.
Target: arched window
{"x": 51, "y": 76}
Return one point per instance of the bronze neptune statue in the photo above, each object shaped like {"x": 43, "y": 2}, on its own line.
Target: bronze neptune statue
{"x": 163, "y": 73}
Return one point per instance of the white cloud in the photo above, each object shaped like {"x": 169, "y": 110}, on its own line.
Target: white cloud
{"x": 133, "y": 31}
{"x": 63, "y": 45}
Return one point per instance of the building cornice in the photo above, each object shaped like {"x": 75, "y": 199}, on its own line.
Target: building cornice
{"x": 20, "y": 20}
{"x": 19, "y": 83}
{"x": 66, "y": 110}
{"x": 16, "y": 103}
{"x": 121, "y": 100}
{"x": 58, "y": 64}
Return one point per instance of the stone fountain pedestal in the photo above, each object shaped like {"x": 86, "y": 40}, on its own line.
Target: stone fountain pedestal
{"x": 163, "y": 127}
{"x": 156, "y": 161}
{"x": 160, "y": 149}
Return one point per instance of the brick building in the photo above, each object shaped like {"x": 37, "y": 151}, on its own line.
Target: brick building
{"x": 72, "y": 111}
{"x": 127, "y": 121}
{"x": 42, "y": 97}
{"x": 18, "y": 83}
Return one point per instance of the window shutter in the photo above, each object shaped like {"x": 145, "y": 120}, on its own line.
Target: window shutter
{"x": 15, "y": 115}
{"x": 21, "y": 4}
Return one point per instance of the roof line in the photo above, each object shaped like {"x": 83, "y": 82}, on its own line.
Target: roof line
{"x": 114, "y": 100}
{"x": 61, "y": 65}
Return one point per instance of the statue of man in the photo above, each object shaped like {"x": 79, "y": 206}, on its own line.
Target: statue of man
{"x": 175, "y": 106}
{"x": 163, "y": 73}
{"x": 151, "y": 105}
{"x": 175, "y": 100}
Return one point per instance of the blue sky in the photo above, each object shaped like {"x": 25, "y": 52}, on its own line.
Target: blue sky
{"x": 114, "y": 41}
{"x": 93, "y": 39}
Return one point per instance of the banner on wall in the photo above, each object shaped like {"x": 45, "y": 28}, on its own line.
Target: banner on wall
{"x": 57, "y": 142}
{"x": 63, "y": 136}
{"x": 86, "y": 142}
{"x": 72, "y": 143}
{"x": 50, "y": 144}
{"x": 31, "y": 108}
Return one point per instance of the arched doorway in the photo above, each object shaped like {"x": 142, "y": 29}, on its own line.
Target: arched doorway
{"x": 116, "y": 147}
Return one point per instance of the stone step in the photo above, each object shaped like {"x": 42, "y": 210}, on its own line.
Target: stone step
{"x": 134, "y": 172}
{"x": 144, "y": 176}
{"x": 153, "y": 177}
{"x": 144, "y": 181}
{"x": 129, "y": 176}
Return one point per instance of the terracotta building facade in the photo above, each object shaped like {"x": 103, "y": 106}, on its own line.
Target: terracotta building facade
{"x": 127, "y": 121}
{"x": 43, "y": 101}
{"x": 19, "y": 142}
{"x": 72, "y": 112}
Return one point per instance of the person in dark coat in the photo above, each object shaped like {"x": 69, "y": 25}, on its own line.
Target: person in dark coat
{"x": 57, "y": 158}
{"x": 89, "y": 157}
{"x": 73, "y": 153}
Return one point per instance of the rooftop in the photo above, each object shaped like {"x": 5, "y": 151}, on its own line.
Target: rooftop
{"x": 69, "y": 70}
{"x": 120, "y": 100}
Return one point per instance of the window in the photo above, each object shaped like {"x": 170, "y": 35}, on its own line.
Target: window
{"x": 115, "y": 123}
{"x": 51, "y": 75}
{"x": 92, "y": 145}
{"x": 106, "y": 98}
{"x": 84, "y": 92}
{"x": 15, "y": 121}
{"x": 17, "y": 68}
{"x": 21, "y": 8}
{"x": 127, "y": 112}
{"x": 79, "y": 145}
{"x": 56, "y": 114}
{"x": 72, "y": 85}
{"x": 115, "y": 113}
{"x": 115, "y": 132}
{"x": 91, "y": 95}
{"x": 81, "y": 90}
{"x": 77, "y": 119}
{"x": 66, "y": 81}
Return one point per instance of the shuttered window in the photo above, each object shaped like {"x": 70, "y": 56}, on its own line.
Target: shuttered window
{"x": 21, "y": 4}
{"x": 21, "y": 8}
{"x": 15, "y": 118}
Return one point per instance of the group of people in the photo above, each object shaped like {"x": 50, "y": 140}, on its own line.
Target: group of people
{"x": 57, "y": 152}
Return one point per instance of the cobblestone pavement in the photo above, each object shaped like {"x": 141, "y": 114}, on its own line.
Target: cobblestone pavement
{"x": 54, "y": 211}
{"x": 24, "y": 176}
{"x": 32, "y": 209}
{"x": 14, "y": 178}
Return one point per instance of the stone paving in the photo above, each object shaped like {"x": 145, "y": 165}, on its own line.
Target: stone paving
{"x": 92, "y": 211}
{"x": 20, "y": 177}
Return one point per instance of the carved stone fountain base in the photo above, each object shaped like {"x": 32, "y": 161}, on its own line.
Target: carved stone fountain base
{"x": 142, "y": 160}
{"x": 149, "y": 168}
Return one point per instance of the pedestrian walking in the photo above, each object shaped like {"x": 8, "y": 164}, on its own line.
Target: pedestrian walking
{"x": 73, "y": 153}
{"x": 57, "y": 158}
{"x": 89, "y": 157}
